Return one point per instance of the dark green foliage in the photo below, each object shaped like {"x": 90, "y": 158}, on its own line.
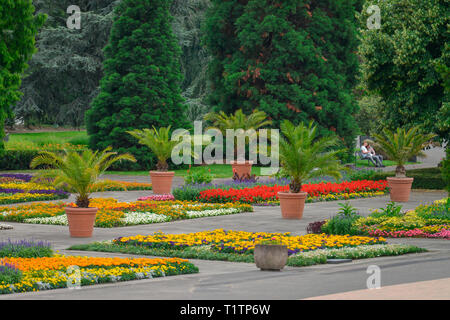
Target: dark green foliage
{"x": 141, "y": 83}
{"x": 18, "y": 28}
{"x": 423, "y": 178}
{"x": 391, "y": 210}
{"x": 293, "y": 59}
{"x": 446, "y": 169}
{"x": 17, "y": 159}
{"x": 406, "y": 63}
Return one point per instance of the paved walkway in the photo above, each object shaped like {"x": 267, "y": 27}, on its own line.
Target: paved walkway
{"x": 225, "y": 280}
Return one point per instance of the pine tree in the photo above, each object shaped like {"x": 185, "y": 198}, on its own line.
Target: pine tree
{"x": 18, "y": 28}
{"x": 141, "y": 83}
{"x": 293, "y": 59}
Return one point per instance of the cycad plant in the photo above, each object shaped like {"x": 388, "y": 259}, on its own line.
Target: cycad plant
{"x": 402, "y": 144}
{"x": 304, "y": 156}
{"x": 158, "y": 140}
{"x": 256, "y": 120}
{"x": 77, "y": 172}
{"x": 238, "y": 120}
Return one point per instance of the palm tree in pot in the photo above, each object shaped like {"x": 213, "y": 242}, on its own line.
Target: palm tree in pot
{"x": 304, "y": 156}
{"x": 400, "y": 146}
{"x": 77, "y": 173}
{"x": 159, "y": 142}
{"x": 256, "y": 120}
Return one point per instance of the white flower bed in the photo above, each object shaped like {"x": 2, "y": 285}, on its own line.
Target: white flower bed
{"x": 133, "y": 218}
{"x": 211, "y": 213}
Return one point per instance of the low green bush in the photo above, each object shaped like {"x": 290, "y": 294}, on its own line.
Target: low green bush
{"x": 17, "y": 159}
{"x": 430, "y": 178}
{"x": 445, "y": 170}
{"x": 343, "y": 222}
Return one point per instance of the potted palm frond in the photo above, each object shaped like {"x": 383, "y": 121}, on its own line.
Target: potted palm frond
{"x": 304, "y": 156}
{"x": 399, "y": 146}
{"x": 238, "y": 120}
{"x": 161, "y": 145}
{"x": 78, "y": 173}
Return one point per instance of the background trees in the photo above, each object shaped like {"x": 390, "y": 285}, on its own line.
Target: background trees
{"x": 18, "y": 27}
{"x": 406, "y": 62}
{"x": 141, "y": 83}
{"x": 292, "y": 59}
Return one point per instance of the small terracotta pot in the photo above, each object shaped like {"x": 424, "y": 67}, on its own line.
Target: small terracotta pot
{"x": 292, "y": 204}
{"x": 270, "y": 257}
{"x": 242, "y": 167}
{"x": 81, "y": 221}
{"x": 162, "y": 181}
{"x": 400, "y": 188}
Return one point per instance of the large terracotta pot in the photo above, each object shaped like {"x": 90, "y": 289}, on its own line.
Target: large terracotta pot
{"x": 81, "y": 221}
{"x": 400, "y": 188}
{"x": 162, "y": 181}
{"x": 242, "y": 167}
{"x": 292, "y": 204}
{"x": 270, "y": 257}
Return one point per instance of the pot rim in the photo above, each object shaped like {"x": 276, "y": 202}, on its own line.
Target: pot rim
{"x": 300, "y": 194}
{"x": 400, "y": 179}
{"x": 162, "y": 173}
{"x": 241, "y": 163}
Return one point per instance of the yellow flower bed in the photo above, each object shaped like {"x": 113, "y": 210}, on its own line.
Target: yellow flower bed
{"x": 52, "y": 272}
{"x": 244, "y": 242}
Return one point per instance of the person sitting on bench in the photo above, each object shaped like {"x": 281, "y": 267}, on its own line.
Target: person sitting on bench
{"x": 367, "y": 154}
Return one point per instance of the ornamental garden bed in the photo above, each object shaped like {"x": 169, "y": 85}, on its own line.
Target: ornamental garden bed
{"x": 238, "y": 246}
{"x": 425, "y": 221}
{"x": 29, "y": 266}
{"x": 267, "y": 194}
{"x": 16, "y": 188}
{"x": 112, "y": 213}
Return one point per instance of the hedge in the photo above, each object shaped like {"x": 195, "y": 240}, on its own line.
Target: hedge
{"x": 430, "y": 178}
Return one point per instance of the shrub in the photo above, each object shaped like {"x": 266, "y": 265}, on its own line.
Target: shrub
{"x": 342, "y": 223}
{"x": 430, "y": 178}
{"x": 446, "y": 170}
{"x": 198, "y": 177}
{"x": 315, "y": 227}
{"x": 362, "y": 175}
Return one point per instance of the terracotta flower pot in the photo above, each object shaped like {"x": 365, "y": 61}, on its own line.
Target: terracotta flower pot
{"x": 242, "y": 167}
{"x": 400, "y": 188}
{"x": 270, "y": 257}
{"x": 292, "y": 204}
{"x": 81, "y": 221}
{"x": 162, "y": 181}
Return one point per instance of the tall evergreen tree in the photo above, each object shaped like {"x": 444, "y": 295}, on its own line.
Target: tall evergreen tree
{"x": 141, "y": 83}
{"x": 293, "y": 59}
{"x": 18, "y": 28}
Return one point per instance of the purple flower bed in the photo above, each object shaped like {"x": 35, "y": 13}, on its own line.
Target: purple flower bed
{"x": 25, "y": 249}
{"x": 18, "y": 176}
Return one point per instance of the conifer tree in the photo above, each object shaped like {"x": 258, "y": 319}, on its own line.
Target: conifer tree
{"x": 141, "y": 83}
{"x": 293, "y": 59}
{"x": 18, "y": 28}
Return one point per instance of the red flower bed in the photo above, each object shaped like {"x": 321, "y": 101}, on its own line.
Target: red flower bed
{"x": 266, "y": 193}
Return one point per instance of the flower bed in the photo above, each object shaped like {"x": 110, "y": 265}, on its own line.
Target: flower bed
{"x": 425, "y": 221}
{"x": 35, "y": 274}
{"x": 316, "y": 192}
{"x": 112, "y": 213}
{"x": 238, "y": 246}
{"x": 16, "y": 188}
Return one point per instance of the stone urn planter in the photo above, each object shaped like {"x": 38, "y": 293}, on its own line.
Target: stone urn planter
{"x": 400, "y": 188}
{"x": 270, "y": 256}
{"x": 81, "y": 221}
{"x": 242, "y": 167}
{"x": 292, "y": 204}
{"x": 162, "y": 181}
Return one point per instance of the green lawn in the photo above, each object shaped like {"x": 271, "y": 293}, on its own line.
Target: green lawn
{"x": 45, "y": 138}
